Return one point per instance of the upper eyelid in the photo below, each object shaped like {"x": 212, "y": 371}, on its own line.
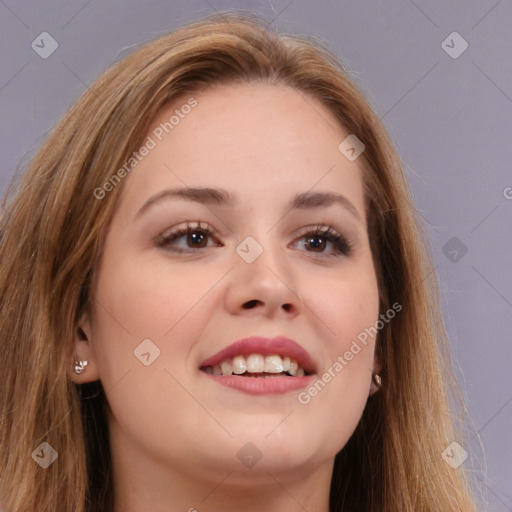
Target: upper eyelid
{"x": 200, "y": 226}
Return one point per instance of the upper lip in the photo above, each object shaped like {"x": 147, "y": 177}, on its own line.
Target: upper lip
{"x": 279, "y": 345}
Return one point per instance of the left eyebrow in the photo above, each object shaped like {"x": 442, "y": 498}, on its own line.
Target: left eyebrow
{"x": 220, "y": 197}
{"x": 310, "y": 200}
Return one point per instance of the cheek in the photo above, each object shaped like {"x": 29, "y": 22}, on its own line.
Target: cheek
{"x": 346, "y": 305}
{"x": 136, "y": 302}
{"x": 138, "y": 299}
{"x": 351, "y": 349}
{"x": 347, "y": 309}
{"x": 148, "y": 298}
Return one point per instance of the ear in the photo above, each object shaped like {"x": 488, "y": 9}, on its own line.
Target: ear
{"x": 375, "y": 370}
{"x": 83, "y": 351}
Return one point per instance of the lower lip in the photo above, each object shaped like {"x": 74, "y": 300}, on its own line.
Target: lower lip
{"x": 261, "y": 385}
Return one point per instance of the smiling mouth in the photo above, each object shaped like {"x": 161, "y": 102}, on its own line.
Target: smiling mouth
{"x": 257, "y": 366}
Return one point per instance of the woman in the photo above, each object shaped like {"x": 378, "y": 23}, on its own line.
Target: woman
{"x": 215, "y": 295}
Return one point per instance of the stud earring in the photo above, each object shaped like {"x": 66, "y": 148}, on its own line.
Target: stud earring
{"x": 377, "y": 380}
{"x": 80, "y": 366}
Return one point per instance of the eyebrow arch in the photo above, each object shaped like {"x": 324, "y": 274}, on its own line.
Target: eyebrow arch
{"x": 220, "y": 197}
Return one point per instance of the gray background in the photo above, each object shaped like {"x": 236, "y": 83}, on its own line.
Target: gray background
{"x": 451, "y": 119}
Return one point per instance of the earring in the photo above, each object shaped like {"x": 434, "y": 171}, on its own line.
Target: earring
{"x": 80, "y": 366}
{"x": 377, "y": 380}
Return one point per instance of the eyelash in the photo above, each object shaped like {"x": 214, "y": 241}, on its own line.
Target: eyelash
{"x": 342, "y": 247}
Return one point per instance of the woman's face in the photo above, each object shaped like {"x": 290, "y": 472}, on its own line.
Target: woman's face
{"x": 256, "y": 265}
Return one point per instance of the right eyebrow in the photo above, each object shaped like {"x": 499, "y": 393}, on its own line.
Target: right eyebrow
{"x": 198, "y": 194}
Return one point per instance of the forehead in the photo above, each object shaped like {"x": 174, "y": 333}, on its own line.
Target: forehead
{"x": 249, "y": 138}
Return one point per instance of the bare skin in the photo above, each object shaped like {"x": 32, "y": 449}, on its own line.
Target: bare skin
{"x": 175, "y": 433}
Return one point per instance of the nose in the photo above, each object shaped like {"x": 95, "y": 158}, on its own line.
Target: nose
{"x": 266, "y": 286}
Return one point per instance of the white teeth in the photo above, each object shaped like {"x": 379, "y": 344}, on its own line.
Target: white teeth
{"x": 293, "y": 367}
{"x": 226, "y": 367}
{"x": 255, "y": 363}
{"x": 273, "y": 364}
{"x": 239, "y": 365}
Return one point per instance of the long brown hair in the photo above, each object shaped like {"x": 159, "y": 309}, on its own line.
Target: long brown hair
{"x": 51, "y": 231}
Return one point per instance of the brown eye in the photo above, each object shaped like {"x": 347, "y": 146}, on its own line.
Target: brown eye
{"x": 197, "y": 239}
{"x": 318, "y": 239}
{"x": 318, "y": 243}
{"x": 187, "y": 238}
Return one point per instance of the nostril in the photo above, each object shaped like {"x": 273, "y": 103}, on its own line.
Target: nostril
{"x": 250, "y": 304}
